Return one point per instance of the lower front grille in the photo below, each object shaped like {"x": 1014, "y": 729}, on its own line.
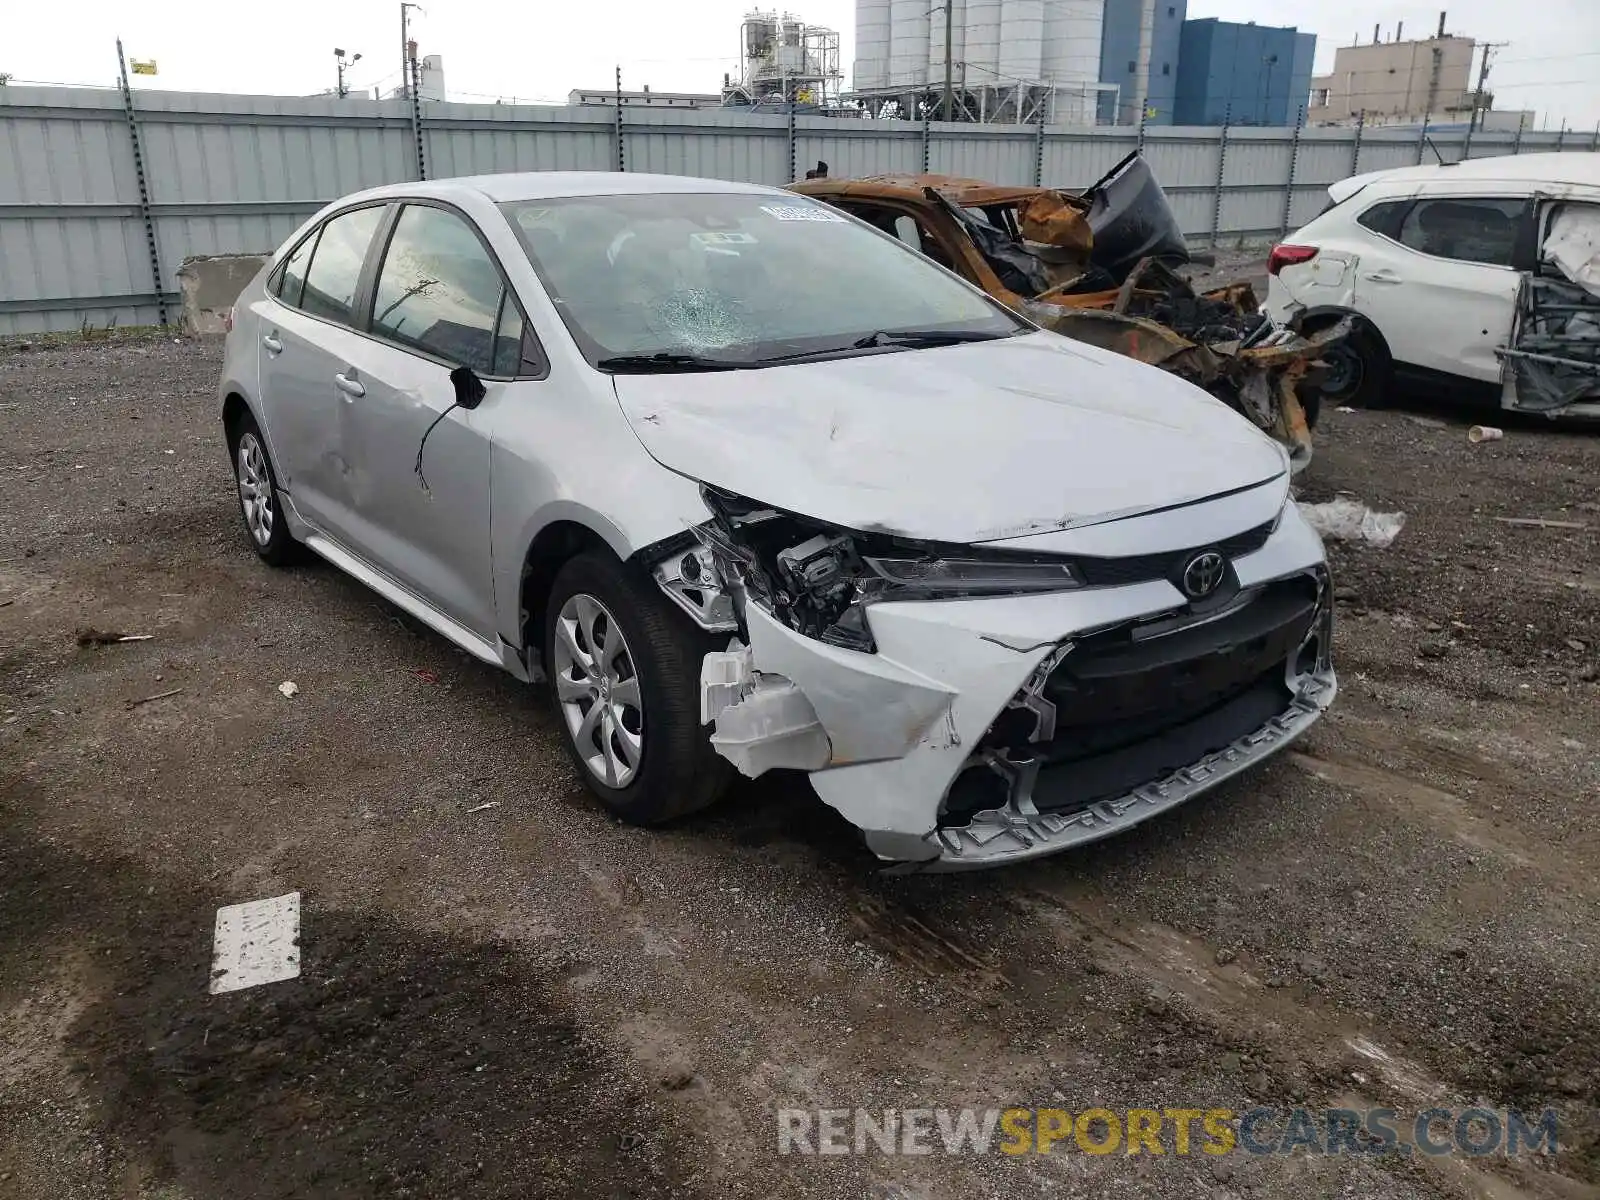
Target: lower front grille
{"x": 1118, "y": 687}
{"x": 1144, "y": 699}
{"x": 1071, "y": 784}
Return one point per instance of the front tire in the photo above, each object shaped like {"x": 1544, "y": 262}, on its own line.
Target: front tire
{"x": 260, "y": 502}
{"x": 623, "y": 669}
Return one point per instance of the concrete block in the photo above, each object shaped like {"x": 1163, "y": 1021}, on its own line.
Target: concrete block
{"x": 211, "y": 283}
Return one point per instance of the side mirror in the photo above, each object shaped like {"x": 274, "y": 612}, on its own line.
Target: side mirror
{"x": 469, "y": 388}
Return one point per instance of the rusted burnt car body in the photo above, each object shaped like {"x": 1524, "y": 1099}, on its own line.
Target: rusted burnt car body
{"x": 1099, "y": 268}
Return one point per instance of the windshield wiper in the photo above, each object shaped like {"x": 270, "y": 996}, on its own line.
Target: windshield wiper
{"x": 905, "y": 339}
{"x": 666, "y": 360}
{"x": 919, "y": 338}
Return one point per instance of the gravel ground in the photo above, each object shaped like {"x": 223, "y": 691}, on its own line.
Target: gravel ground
{"x": 528, "y": 999}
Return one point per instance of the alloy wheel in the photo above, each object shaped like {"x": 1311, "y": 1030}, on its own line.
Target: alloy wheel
{"x": 597, "y": 688}
{"x": 255, "y": 489}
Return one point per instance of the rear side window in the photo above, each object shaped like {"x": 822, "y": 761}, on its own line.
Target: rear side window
{"x": 335, "y": 272}
{"x": 1385, "y": 218}
{"x": 292, "y": 279}
{"x": 1465, "y": 229}
{"x": 439, "y": 291}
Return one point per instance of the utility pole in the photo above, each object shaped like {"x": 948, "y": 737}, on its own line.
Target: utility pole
{"x": 405, "y": 44}
{"x": 341, "y": 90}
{"x": 949, "y": 30}
{"x": 1483, "y": 81}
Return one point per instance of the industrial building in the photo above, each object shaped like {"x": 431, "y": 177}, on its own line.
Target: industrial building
{"x": 785, "y": 62}
{"x": 1399, "y": 82}
{"x": 1139, "y": 46}
{"x": 610, "y": 97}
{"x": 1246, "y": 74}
{"x": 1009, "y": 60}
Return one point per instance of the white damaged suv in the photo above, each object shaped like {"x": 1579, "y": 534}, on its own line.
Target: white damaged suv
{"x": 750, "y": 484}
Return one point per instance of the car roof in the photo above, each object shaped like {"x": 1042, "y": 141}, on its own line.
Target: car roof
{"x": 1580, "y": 168}
{"x": 547, "y": 185}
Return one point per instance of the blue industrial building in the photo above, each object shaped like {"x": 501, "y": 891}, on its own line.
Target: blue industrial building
{"x": 1241, "y": 74}
{"x": 1119, "y": 60}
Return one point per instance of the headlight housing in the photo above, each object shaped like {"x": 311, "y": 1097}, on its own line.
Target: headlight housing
{"x": 819, "y": 579}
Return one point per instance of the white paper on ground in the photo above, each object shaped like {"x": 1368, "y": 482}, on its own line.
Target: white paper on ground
{"x": 256, "y": 942}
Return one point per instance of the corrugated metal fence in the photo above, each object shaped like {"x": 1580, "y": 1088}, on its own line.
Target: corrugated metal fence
{"x": 82, "y": 242}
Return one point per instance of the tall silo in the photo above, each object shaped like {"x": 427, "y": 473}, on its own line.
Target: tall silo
{"x": 872, "y": 44}
{"x": 1070, "y": 58}
{"x": 1021, "y": 39}
{"x": 1009, "y": 58}
{"x": 982, "y": 57}
{"x": 909, "y": 22}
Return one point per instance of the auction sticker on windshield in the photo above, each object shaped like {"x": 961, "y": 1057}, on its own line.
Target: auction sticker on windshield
{"x": 800, "y": 212}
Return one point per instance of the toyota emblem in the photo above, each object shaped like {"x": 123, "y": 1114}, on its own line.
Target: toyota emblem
{"x": 1203, "y": 573}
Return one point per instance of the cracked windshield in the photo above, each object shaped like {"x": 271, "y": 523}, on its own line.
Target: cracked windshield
{"x": 735, "y": 278}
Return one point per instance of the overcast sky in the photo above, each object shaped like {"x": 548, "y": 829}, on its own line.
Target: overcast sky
{"x": 496, "y": 48}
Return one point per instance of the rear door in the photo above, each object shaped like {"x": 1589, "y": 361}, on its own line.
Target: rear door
{"x": 420, "y": 467}
{"x": 304, "y": 327}
{"x": 1441, "y": 284}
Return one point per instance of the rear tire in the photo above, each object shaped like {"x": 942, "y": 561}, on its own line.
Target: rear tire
{"x": 1359, "y": 370}
{"x": 260, "y": 502}
{"x": 623, "y": 670}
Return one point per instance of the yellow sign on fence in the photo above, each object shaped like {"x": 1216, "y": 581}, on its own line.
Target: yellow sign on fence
{"x": 142, "y": 68}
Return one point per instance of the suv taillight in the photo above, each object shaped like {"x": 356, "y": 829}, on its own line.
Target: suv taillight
{"x": 1289, "y": 256}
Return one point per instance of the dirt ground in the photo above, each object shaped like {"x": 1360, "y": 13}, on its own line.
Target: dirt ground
{"x": 506, "y": 993}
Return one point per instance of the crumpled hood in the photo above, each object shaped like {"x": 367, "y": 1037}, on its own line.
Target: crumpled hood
{"x": 967, "y": 443}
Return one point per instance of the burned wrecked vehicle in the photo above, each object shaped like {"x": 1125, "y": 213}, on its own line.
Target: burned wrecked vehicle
{"x": 1099, "y": 268}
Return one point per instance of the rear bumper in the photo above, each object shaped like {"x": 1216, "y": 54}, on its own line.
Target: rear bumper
{"x": 899, "y": 736}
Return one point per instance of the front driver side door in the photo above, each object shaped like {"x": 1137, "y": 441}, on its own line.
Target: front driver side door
{"x": 419, "y": 467}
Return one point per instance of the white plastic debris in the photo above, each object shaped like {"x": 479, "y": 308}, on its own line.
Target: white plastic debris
{"x": 257, "y": 942}
{"x": 289, "y": 687}
{"x": 773, "y": 726}
{"x": 725, "y": 677}
{"x": 1574, "y": 245}
{"x": 1348, "y": 520}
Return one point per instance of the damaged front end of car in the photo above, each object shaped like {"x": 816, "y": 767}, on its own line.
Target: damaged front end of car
{"x": 967, "y": 706}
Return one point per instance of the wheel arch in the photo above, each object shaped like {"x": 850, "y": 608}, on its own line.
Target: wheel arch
{"x": 234, "y": 409}
{"x": 1324, "y": 316}
{"x": 556, "y": 544}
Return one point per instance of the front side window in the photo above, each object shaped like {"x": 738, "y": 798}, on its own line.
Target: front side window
{"x": 739, "y": 277}
{"x": 438, "y": 290}
{"x": 1465, "y": 229}
{"x": 335, "y": 272}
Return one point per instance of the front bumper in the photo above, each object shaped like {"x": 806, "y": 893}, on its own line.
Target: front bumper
{"x": 899, "y": 735}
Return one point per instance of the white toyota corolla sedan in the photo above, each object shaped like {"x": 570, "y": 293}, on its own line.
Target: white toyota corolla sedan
{"x": 748, "y": 484}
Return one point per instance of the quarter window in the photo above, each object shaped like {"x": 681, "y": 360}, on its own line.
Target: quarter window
{"x": 439, "y": 292}
{"x": 292, "y": 279}
{"x": 1465, "y": 229}
{"x": 335, "y": 273}
{"x": 1384, "y": 218}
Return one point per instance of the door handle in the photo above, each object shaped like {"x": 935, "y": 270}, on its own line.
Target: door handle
{"x": 353, "y": 387}
{"x": 1382, "y": 275}
{"x": 271, "y": 342}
